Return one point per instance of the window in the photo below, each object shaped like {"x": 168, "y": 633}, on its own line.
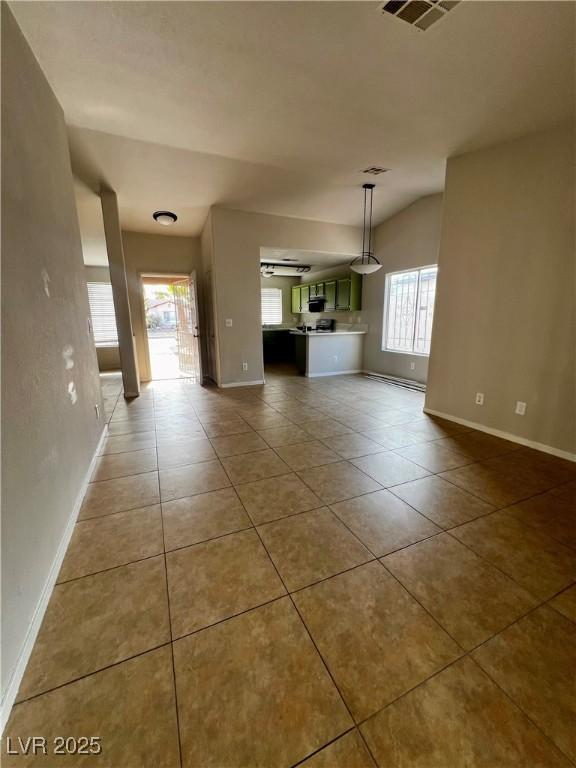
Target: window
{"x": 271, "y": 306}
{"x": 409, "y": 310}
{"x": 103, "y": 316}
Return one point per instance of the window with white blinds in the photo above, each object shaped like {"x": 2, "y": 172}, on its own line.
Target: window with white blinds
{"x": 409, "y": 307}
{"x": 103, "y": 316}
{"x": 271, "y": 306}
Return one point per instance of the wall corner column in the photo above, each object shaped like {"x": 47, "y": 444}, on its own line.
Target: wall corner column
{"x": 128, "y": 360}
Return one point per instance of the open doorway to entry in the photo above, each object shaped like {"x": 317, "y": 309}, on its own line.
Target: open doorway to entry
{"x": 170, "y": 308}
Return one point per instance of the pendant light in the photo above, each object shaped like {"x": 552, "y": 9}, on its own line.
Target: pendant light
{"x": 367, "y": 262}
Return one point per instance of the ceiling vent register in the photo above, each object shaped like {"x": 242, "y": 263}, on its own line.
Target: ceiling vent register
{"x": 419, "y": 13}
{"x": 375, "y": 170}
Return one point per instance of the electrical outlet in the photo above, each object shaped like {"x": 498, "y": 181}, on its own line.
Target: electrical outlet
{"x": 520, "y": 408}
{"x": 244, "y": 366}
{"x": 412, "y": 366}
{"x": 479, "y": 398}
{"x": 228, "y": 323}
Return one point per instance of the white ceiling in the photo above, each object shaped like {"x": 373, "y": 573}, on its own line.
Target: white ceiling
{"x": 277, "y": 106}
{"x": 317, "y": 260}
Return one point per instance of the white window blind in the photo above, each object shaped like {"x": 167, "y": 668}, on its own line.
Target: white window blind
{"x": 271, "y": 306}
{"x": 409, "y": 310}
{"x": 103, "y": 316}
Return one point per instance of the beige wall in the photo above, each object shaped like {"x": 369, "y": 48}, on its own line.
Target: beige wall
{"x": 156, "y": 254}
{"x": 49, "y": 426}
{"x": 504, "y": 321}
{"x": 285, "y": 284}
{"x": 237, "y": 239}
{"x": 409, "y": 239}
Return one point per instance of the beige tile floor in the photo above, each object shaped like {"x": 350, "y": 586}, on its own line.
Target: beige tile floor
{"x": 314, "y": 573}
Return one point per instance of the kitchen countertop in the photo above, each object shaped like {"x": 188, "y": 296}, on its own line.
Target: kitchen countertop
{"x": 328, "y": 333}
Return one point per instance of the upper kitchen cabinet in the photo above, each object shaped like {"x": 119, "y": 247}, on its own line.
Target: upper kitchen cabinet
{"x": 330, "y": 294}
{"x": 349, "y": 293}
{"x": 304, "y": 297}
{"x": 342, "y": 294}
{"x": 296, "y": 305}
{"x": 317, "y": 290}
{"x": 355, "y": 292}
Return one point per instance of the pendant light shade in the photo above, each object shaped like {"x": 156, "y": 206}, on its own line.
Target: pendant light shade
{"x": 367, "y": 263}
{"x": 368, "y": 268}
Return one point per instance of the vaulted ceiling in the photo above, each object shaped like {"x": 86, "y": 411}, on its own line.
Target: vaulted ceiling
{"x": 278, "y": 106}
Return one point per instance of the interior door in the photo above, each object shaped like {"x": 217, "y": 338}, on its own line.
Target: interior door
{"x": 187, "y": 330}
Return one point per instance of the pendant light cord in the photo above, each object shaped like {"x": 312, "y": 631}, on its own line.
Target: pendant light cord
{"x": 364, "y": 228}
{"x": 370, "y": 226}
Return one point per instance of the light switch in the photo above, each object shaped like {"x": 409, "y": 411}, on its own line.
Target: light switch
{"x": 228, "y": 323}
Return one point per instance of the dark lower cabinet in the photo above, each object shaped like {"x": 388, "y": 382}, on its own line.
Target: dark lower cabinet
{"x": 278, "y": 346}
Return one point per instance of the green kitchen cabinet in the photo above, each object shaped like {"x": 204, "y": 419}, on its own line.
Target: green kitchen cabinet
{"x": 355, "y": 292}
{"x": 349, "y": 293}
{"x": 343, "y": 293}
{"x": 295, "y": 299}
{"x": 318, "y": 290}
{"x": 330, "y": 293}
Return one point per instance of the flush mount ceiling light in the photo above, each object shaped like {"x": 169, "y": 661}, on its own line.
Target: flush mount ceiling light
{"x": 367, "y": 262}
{"x": 166, "y": 218}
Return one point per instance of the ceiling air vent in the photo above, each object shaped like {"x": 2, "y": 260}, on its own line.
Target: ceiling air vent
{"x": 419, "y": 13}
{"x": 375, "y": 170}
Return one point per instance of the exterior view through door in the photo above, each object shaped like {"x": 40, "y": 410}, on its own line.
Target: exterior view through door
{"x": 171, "y": 326}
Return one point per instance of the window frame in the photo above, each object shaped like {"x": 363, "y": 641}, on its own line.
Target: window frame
{"x": 110, "y": 343}
{"x": 278, "y": 291}
{"x": 385, "y": 316}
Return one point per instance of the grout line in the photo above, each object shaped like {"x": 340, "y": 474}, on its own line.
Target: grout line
{"x": 426, "y": 610}
{"x": 229, "y": 618}
{"x": 91, "y": 674}
{"x": 110, "y": 568}
{"x": 328, "y": 743}
{"x": 289, "y": 594}
{"x": 110, "y": 479}
{"x": 121, "y": 511}
{"x": 308, "y": 631}
{"x": 304, "y": 624}
{"x": 168, "y": 608}
{"x": 520, "y": 709}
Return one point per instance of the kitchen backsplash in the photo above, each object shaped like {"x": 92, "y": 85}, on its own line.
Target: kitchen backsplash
{"x": 345, "y": 321}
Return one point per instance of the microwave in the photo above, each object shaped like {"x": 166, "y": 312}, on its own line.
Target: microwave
{"x": 317, "y": 304}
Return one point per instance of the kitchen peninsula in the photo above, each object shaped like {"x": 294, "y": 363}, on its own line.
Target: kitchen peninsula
{"x": 328, "y": 353}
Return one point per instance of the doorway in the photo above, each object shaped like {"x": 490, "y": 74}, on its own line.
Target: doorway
{"x": 171, "y": 319}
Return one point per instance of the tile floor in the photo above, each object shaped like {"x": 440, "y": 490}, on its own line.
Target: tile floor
{"x": 311, "y": 572}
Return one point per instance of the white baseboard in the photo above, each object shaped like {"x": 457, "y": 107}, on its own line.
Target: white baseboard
{"x": 331, "y": 373}
{"x": 242, "y": 383}
{"x": 37, "y": 618}
{"x": 505, "y": 435}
